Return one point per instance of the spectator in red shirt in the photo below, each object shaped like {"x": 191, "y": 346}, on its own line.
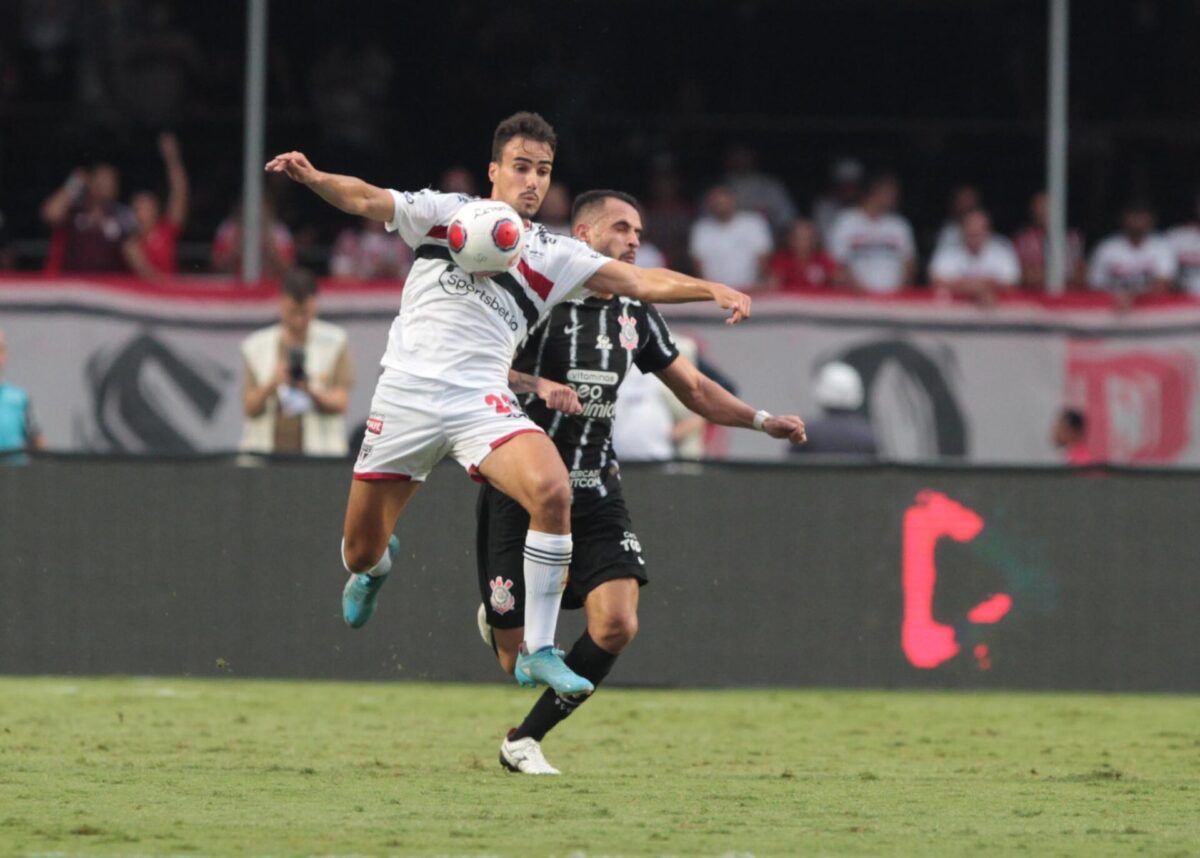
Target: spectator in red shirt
{"x": 278, "y": 246}
{"x": 159, "y": 232}
{"x": 1030, "y": 245}
{"x": 802, "y": 265}
{"x": 370, "y": 253}
{"x": 93, "y": 232}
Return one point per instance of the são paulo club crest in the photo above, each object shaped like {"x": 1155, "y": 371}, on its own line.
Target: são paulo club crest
{"x": 502, "y": 598}
{"x": 629, "y": 332}
{"x": 506, "y": 235}
{"x": 456, "y": 236}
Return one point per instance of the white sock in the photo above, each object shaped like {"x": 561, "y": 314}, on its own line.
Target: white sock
{"x": 547, "y": 558}
{"x": 381, "y": 568}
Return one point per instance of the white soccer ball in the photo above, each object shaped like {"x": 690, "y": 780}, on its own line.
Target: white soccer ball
{"x": 485, "y": 237}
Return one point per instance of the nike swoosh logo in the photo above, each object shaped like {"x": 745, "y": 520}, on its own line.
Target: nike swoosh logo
{"x": 570, "y": 329}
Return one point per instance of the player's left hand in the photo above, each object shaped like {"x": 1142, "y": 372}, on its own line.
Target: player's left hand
{"x": 558, "y": 397}
{"x": 790, "y": 428}
{"x": 732, "y": 299}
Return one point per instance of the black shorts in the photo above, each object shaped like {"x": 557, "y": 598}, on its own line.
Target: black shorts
{"x": 604, "y": 548}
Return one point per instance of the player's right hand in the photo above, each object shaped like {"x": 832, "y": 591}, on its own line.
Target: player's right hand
{"x": 294, "y": 165}
{"x": 732, "y": 299}
{"x": 790, "y": 428}
{"x": 559, "y": 397}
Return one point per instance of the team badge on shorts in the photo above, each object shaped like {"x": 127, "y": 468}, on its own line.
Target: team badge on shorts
{"x": 375, "y": 424}
{"x": 502, "y": 598}
{"x": 629, "y": 332}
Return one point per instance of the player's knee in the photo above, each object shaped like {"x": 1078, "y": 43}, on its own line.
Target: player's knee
{"x": 360, "y": 552}
{"x": 615, "y": 631}
{"x": 551, "y": 497}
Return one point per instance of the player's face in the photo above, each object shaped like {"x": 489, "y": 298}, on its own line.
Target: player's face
{"x": 617, "y": 232}
{"x": 522, "y": 175}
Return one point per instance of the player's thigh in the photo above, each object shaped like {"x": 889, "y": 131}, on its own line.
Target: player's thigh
{"x": 528, "y": 468}
{"x": 372, "y": 510}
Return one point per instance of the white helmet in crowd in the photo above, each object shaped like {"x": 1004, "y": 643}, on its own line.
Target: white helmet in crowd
{"x": 839, "y": 387}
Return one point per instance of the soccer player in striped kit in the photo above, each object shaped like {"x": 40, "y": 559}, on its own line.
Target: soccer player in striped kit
{"x": 444, "y": 387}
{"x": 590, "y": 344}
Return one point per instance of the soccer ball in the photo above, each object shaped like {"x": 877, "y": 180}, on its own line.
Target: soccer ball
{"x": 485, "y": 237}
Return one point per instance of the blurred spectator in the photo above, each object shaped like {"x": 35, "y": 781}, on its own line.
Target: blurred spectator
{"x": 50, "y": 48}
{"x": 643, "y": 422}
{"x": 92, "y": 231}
{"x": 457, "y": 180}
{"x": 687, "y": 427}
{"x": 555, "y": 213}
{"x": 874, "y": 244}
{"x": 755, "y": 190}
{"x": 1070, "y": 436}
{"x": 1134, "y": 261}
{"x": 6, "y": 254}
{"x": 370, "y": 253}
{"x": 842, "y": 427}
{"x": 963, "y": 199}
{"x": 278, "y": 247}
{"x": 1185, "y": 242}
{"x": 845, "y": 189}
{"x": 669, "y": 219}
{"x": 298, "y": 378}
{"x": 159, "y": 231}
{"x": 1031, "y": 248}
{"x": 802, "y": 265}
{"x": 18, "y": 429}
{"x": 161, "y": 64}
{"x": 727, "y": 245}
{"x": 351, "y": 86}
{"x": 649, "y": 256}
{"x": 976, "y": 265}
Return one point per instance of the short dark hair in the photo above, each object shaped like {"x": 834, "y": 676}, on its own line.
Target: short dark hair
{"x": 299, "y": 284}
{"x": 591, "y": 199}
{"x": 1075, "y": 418}
{"x": 523, "y": 124}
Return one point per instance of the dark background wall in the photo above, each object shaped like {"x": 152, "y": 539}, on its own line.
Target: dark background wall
{"x": 759, "y": 576}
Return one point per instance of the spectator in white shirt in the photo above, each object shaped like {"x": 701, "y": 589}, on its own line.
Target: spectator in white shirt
{"x": 757, "y": 191}
{"x": 874, "y": 244}
{"x": 979, "y": 265}
{"x": 845, "y": 189}
{"x": 963, "y": 199}
{"x": 1185, "y": 242}
{"x": 727, "y": 245}
{"x": 1135, "y": 261}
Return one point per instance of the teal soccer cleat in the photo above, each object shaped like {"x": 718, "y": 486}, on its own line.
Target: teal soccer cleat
{"x": 360, "y": 592}
{"x": 546, "y": 667}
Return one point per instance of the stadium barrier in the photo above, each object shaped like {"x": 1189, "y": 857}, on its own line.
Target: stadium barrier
{"x": 142, "y": 369}
{"x": 760, "y": 575}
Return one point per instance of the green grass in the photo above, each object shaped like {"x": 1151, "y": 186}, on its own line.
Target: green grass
{"x": 239, "y": 767}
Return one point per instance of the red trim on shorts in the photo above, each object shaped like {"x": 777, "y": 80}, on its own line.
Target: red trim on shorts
{"x": 437, "y": 231}
{"x": 538, "y": 282}
{"x": 473, "y": 473}
{"x": 499, "y": 441}
{"x": 379, "y": 476}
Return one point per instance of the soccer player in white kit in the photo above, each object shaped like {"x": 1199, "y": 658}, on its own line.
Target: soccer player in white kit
{"x": 444, "y": 389}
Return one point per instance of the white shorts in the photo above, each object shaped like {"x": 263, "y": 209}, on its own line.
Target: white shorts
{"x": 416, "y": 422}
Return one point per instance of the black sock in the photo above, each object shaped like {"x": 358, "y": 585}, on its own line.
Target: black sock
{"x": 585, "y": 658}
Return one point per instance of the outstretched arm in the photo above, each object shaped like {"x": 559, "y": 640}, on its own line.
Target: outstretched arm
{"x": 177, "y": 179}
{"x": 717, "y": 405}
{"x": 351, "y": 195}
{"x": 663, "y": 286}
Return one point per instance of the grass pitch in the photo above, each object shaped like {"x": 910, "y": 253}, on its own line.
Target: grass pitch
{"x": 238, "y": 767}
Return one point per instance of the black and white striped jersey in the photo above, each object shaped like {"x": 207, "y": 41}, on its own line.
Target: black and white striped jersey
{"x": 590, "y": 345}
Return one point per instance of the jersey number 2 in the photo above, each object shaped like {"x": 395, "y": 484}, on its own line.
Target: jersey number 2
{"x": 502, "y": 403}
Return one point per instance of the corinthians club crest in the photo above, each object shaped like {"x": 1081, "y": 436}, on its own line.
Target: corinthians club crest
{"x": 502, "y": 598}
{"x": 629, "y": 332}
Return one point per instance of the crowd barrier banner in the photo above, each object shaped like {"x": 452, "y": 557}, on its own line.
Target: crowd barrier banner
{"x": 882, "y": 576}
{"x": 116, "y": 367}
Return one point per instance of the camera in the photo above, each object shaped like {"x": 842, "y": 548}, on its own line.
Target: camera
{"x": 296, "y": 365}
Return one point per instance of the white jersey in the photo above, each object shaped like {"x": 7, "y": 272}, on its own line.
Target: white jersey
{"x": 1185, "y": 241}
{"x": 463, "y": 329}
{"x": 1119, "y": 266}
{"x": 875, "y": 250}
{"x": 995, "y": 261}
